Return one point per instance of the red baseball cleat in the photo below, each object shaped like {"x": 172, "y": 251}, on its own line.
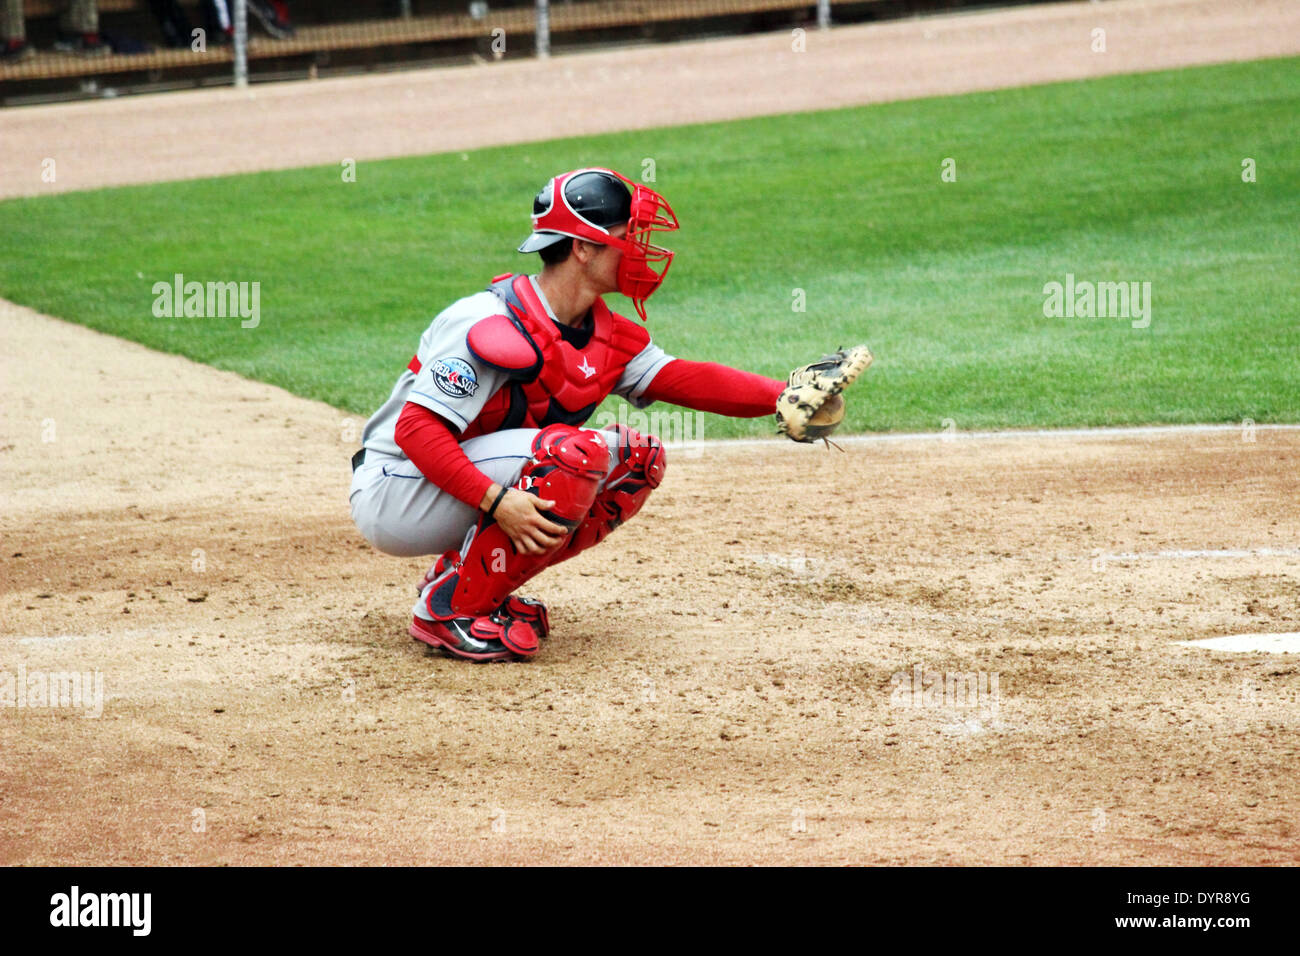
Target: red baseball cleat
{"x": 456, "y": 637}
{"x": 493, "y": 637}
{"x": 518, "y": 609}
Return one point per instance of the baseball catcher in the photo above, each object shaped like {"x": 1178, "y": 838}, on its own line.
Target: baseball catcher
{"x": 480, "y": 458}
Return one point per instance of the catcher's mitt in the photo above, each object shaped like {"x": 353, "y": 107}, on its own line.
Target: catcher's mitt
{"x": 811, "y": 407}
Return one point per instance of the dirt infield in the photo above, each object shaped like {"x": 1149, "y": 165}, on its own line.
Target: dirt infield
{"x": 714, "y": 690}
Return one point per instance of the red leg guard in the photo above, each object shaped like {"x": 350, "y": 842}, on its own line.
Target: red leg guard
{"x": 448, "y": 560}
{"x": 566, "y": 468}
{"x": 639, "y": 462}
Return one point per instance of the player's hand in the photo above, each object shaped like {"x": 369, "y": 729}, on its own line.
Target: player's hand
{"x": 520, "y": 517}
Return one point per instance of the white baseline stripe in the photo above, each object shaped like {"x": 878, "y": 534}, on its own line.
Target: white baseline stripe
{"x": 1214, "y": 553}
{"x": 1141, "y": 431}
{"x": 1248, "y": 643}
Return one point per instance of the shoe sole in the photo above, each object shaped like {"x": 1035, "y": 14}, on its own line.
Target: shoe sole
{"x": 435, "y": 640}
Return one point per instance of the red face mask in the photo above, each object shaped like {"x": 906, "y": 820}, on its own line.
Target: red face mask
{"x": 644, "y": 264}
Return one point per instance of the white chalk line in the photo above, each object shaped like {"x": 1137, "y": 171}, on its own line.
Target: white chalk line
{"x": 1177, "y": 555}
{"x": 802, "y": 564}
{"x": 1287, "y": 643}
{"x": 68, "y": 638}
{"x": 53, "y": 639}
{"x": 954, "y": 437}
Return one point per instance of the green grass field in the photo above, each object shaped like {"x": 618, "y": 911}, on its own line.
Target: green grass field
{"x": 1135, "y": 178}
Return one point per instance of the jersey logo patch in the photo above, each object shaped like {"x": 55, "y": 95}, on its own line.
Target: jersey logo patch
{"x": 454, "y": 377}
{"x": 586, "y": 370}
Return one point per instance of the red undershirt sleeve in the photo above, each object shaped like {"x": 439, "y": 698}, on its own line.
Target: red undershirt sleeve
{"x": 710, "y": 387}
{"x": 430, "y": 445}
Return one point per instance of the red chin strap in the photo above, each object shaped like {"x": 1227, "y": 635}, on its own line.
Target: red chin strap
{"x": 644, "y": 264}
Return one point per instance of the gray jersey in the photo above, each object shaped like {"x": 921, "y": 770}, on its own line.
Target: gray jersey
{"x": 455, "y": 385}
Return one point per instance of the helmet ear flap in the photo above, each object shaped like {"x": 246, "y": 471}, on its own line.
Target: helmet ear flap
{"x": 544, "y": 200}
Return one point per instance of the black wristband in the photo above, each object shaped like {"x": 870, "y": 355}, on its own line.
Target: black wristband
{"x": 493, "y": 509}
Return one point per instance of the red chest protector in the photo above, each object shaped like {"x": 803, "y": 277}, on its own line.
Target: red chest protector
{"x": 550, "y": 380}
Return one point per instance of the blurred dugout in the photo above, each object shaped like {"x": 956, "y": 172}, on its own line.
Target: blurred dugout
{"x": 151, "y": 44}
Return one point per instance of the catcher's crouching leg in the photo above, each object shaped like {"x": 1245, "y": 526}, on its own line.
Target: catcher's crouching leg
{"x": 566, "y": 467}
{"x": 639, "y": 463}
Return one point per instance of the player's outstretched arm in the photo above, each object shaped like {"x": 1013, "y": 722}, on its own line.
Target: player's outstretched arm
{"x": 710, "y": 387}
{"x": 807, "y": 407}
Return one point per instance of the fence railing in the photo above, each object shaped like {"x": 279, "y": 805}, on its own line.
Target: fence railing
{"x": 231, "y": 35}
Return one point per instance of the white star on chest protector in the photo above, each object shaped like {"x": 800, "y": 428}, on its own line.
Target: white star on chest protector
{"x": 586, "y": 369}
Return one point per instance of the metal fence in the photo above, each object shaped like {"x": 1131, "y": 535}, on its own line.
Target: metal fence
{"x": 142, "y": 42}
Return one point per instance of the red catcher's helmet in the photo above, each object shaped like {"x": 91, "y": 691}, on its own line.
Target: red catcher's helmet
{"x": 591, "y": 202}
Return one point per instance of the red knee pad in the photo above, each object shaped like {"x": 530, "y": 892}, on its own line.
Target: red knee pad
{"x": 639, "y": 462}
{"x": 567, "y": 466}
